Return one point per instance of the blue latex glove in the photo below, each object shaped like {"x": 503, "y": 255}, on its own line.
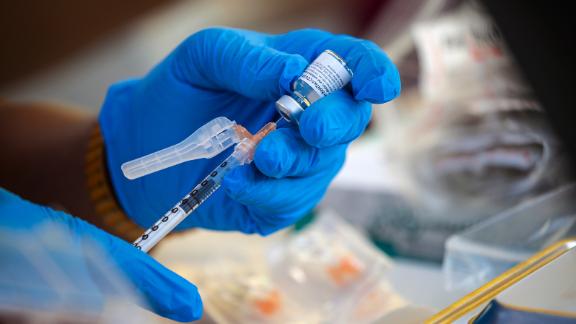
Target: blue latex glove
{"x": 166, "y": 293}
{"x": 240, "y": 74}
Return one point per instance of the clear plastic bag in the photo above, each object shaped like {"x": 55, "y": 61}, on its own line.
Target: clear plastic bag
{"x": 329, "y": 266}
{"x": 326, "y": 273}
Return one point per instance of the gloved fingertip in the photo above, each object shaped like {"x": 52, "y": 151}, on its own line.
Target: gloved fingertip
{"x": 272, "y": 158}
{"x": 232, "y": 182}
{"x": 381, "y": 89}
{"x": 294, "y": 66}
{"x": 186, "y": 304}
{"x": 238, "y": 182}
{"x": 166, "y": 293}
{"x": 318, "y": 129}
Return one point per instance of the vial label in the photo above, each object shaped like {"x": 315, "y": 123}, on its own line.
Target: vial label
{"x": 326, "y": 74}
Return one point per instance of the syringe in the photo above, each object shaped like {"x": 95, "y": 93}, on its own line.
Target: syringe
{"x": 326, "y": 74}
{"x": 243, "y": 154}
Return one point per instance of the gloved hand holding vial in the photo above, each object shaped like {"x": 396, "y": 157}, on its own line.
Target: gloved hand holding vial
{"x": 241, "y": 75}
{"x": 326, "y": 74}
{"x": 217, "y": 88}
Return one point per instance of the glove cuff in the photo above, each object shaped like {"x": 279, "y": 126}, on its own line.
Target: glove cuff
{"x": 101, "y": 195}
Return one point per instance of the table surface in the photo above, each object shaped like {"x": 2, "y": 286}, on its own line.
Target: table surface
{"x": 420, "y": 283}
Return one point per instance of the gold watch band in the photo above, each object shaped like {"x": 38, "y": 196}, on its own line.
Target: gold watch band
{"x": 101, "y": 193}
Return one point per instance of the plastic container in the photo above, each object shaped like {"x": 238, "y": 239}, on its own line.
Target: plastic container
{"x": 488, "y": 249}
{"x": 544, "y": 283}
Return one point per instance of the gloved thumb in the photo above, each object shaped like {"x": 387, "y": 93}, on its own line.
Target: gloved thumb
{"x": 165, "y": 292}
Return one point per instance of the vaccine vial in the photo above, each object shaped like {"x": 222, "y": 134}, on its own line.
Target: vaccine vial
{"x": 326, "y": 74}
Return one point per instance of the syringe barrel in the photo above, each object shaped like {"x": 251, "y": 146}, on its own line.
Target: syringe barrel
{"x": 326, "y": 74}
{"x": 242, "y": 154}
{"x": 160, "y": 229}
{"x": 189, "y": 203}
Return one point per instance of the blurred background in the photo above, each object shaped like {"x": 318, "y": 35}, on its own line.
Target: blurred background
{"x": 466, "y": 174}
{"x": 72, "y": 51}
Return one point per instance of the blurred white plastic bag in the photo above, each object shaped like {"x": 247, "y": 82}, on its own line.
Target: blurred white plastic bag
{"x": 477, "y": 141}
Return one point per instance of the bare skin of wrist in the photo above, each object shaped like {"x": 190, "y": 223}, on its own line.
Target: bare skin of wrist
{"x": 43, "y": 148}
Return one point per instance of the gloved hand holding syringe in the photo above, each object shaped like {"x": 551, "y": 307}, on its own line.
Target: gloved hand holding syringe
{"x": 242, "y": 154}
{"x": 326, "y": 74}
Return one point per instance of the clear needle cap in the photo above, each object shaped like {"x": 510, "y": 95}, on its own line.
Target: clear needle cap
{"x": 206, "y": 142}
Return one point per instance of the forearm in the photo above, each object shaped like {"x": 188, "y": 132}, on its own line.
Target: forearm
{"x": 43, "y": 150}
